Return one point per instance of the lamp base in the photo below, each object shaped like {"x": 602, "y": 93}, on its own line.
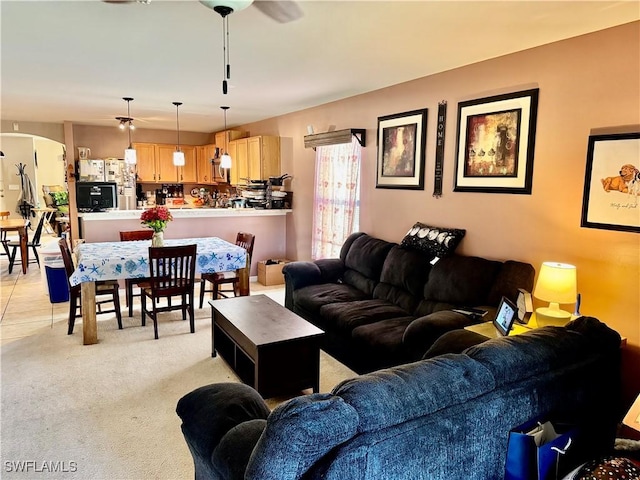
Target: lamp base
{"x": 546, "y": 316}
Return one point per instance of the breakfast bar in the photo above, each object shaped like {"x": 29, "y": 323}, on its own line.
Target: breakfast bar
{"x": 268, "y": 225}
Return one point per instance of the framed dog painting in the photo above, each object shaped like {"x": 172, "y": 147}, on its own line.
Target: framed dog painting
{"x": 495, "y": 143}
{"x": 611, "y": 197}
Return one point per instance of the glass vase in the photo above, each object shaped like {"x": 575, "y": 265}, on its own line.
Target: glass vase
{"x": 158, "y": 239}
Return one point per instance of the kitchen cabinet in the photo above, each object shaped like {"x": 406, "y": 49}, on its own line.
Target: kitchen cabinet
{"x": 155, "y": 163}
{"x": 257, "y": 158}
{"x": 223, "y": 138}
{"x": 207, "y": 165}
{"x": 146, "y": 162}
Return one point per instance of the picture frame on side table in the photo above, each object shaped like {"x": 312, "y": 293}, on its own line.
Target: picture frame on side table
{"x": 401, "y": 149}
{"x": 495, "y": 143}
{"x": 611, "y": 197}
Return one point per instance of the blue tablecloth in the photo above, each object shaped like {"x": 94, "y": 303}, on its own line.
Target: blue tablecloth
{"x": 114, "y": 260}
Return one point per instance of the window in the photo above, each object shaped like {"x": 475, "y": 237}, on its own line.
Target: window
{"x": 336, "y": 206}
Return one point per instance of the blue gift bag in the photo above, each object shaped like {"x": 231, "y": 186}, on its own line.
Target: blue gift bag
{"x": 542, "y": 450}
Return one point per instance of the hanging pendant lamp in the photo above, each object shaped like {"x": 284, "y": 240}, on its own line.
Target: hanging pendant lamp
{"x": 130, "y": 157}
{"x": 178, "y": 155}
{"x": 225, "y": 159}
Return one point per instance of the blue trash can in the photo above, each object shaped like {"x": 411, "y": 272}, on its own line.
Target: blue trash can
{"x": 57, "y": 284}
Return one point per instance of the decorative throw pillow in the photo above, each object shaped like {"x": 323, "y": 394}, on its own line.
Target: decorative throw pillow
{"x": 434, "y": 241}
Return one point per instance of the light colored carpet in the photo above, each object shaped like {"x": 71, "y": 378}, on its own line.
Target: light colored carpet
{"x": 107, "y": 411}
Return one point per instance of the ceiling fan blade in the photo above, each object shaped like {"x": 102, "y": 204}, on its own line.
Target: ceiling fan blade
{"x": 282, "y": 11}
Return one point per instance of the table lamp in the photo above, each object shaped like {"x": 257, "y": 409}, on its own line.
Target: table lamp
{"x": 556, "y": 284}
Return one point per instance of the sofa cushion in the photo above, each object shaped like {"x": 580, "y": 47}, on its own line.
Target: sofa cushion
{"x": 381, "y": 342}
{"x": 300, "y": 432}
{"x": 396, "y": 395}
{"x": 403, "y": 276}
{"x": 434, "y": 241}
{"x": 364, "y": 262}
{"x": 348, "y": 315}
{"x": 461, "y": 280}
{"x": 313, "y": 297}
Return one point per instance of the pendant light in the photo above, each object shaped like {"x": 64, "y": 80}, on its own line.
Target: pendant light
{"x": 130, "y": 157}
{"x": 178, "y": 155}
{"x": 224, "y": 8}
{"x": 225, "y": 159}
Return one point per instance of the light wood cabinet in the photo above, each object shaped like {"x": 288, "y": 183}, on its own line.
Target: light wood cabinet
{"x": 146, "y": 162}
{"x": 155, "y": 163}
{"x": 223, "y": 138}
{"x": 208, "y": 171}
{"x": 257, "y": 158}
{"x": 188, "y": 173}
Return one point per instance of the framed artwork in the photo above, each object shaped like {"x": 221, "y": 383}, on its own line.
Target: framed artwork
{"x": 495, "y": 143}
{"x": 401, "y": 146}
{"x": 612, "y": 183}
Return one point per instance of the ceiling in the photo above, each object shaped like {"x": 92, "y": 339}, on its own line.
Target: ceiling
{"x": 75, "y": 60}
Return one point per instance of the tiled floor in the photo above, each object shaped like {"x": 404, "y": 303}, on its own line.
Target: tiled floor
{"x": 25, "y": 305}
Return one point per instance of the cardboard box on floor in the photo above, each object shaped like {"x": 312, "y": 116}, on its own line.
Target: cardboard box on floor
{"x": 271, "y": 274}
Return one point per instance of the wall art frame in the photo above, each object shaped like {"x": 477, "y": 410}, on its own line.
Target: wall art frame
{"x": 401, "y": 144}
{"x": 495, "y": 143}
{"x": 611, "y": 196}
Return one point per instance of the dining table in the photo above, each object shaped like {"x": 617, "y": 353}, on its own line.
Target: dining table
{"x": 130, "y": 259}
{"x": 19, "y": 225}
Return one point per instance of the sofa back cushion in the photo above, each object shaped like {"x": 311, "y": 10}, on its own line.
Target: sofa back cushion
{"x": 396, "y": 395}
{"x": 364, "y": 261}
{"x": 512, "y": 276}
{"x": 403, "y": 276}
{"x": 459, "y": 280}
{"x": 544, "y": 349}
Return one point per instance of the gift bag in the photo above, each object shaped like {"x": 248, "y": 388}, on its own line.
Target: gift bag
{"x": 542, "y": 450}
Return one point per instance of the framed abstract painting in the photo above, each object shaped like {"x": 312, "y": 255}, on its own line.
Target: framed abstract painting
{"x": 495, "y": 143}
{"x": 401, "y": 146}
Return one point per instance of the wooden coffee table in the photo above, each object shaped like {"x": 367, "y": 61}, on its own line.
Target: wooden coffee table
{"x": 269, "y": 347}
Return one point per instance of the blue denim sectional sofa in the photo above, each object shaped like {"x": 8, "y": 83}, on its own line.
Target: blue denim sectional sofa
{"x": 444, "y": 418}
{"x": 382, "y": 304}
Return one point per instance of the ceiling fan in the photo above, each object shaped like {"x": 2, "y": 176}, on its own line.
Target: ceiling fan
{"x": 282, "y": 11}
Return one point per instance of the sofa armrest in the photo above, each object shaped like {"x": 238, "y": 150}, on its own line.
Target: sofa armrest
{"x": 421, "y": 334}
{"x": 303, "y": 274}
{"x": 209, "y": 412}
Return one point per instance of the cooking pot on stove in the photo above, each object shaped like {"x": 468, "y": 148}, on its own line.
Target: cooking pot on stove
{"x": 277, "y": 181}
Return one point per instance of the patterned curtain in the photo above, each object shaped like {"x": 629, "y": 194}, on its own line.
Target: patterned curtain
{"x": 336, "y": 206}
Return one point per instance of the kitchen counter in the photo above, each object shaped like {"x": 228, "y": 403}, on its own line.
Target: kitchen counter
{"x": 268, "y": 225}
{"x": 185, "y": 213}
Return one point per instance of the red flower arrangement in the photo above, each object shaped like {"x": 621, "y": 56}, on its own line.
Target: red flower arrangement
{"x": 156, "y": 218}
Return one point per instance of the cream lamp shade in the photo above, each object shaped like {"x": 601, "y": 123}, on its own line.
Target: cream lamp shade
{"x": 178, "y": 159}
{"x": 130, "y": 157}
{"x": 225, "y": 161}
{"x": 556, "y": 284}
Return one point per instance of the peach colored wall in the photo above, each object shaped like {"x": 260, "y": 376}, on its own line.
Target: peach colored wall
{"x": 107, "y": 142}
{"x": 587, "y": 84}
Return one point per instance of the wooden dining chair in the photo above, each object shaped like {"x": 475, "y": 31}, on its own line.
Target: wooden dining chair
{"x": 12, "y": 247}
{"x": 244, "y": 240}
{"x": 3, "y": 234}
{"x": 172, "y": 275}
{"x": 103, "y": 288}
{"x": 134, "y": 235}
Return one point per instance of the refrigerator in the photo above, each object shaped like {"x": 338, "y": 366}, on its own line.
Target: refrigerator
{"x": 91, "y": 170}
